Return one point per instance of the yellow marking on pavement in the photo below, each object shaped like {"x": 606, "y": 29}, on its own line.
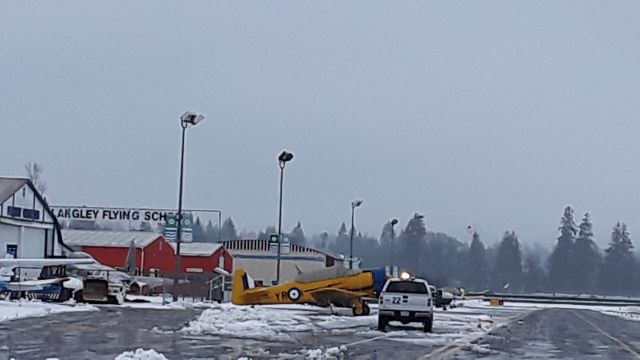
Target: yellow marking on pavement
{"x": 609, "y": 336}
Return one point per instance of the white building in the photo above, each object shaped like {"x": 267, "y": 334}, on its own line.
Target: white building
{"x": 28, "y": 228}
{"x": 260, "y": 262}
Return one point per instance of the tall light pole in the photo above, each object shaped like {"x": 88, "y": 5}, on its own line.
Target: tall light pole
{"x": 283, "y": 159}
{"x": 393, "y": 223}
{"x": 354, "y": 205}
{"x": 186, "y": 119}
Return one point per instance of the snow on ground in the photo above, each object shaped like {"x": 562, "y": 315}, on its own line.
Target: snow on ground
{"x": 141, "y": 354}
{"x": 321, "y": 354}
{"x": 157, "y": 302}
{"x": 10, "y": 310}
{"x": 268, "y": 322}
{"x": 283, "y": 322}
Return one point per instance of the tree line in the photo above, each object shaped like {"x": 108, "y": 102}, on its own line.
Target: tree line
{"x": 575, "y": 265}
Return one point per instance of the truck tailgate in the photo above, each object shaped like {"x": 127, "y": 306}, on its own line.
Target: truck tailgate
{"x": 95, "y": 290}
{"x": 410, "y": 302}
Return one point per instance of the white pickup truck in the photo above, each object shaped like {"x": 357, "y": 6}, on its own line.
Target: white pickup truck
{"x": 406, "y": 301}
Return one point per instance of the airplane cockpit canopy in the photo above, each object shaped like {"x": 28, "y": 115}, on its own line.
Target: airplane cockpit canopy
{"x": 327, "y": 273}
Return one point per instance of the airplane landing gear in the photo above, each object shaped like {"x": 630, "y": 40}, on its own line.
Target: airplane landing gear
{"x": 361, "y": 308}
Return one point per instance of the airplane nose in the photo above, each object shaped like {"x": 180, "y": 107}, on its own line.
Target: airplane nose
{"x": 379, "y": 278}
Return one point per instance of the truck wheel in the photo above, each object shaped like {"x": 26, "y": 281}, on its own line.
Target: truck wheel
{"x": 67, "y": 294}
{"x": 382, "y": 323}
{"x": 428, "y": 325}
{"x": 78, "y": 296}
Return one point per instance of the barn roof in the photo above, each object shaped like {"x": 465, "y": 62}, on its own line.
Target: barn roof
{"x": 197, "y": 248}
{"x": 9, "y": 186}
{"x": 103, "y": 238}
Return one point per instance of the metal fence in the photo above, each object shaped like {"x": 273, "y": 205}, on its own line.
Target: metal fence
{"x": 198, "y": 286}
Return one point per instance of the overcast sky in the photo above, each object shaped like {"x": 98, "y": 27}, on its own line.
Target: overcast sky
{"x": 491, "y": 113}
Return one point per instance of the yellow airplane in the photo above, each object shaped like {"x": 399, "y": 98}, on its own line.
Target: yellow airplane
{"x": 331, "y": 286}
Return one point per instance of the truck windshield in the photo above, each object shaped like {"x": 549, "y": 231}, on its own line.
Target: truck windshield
{"x": 407, "y": 287}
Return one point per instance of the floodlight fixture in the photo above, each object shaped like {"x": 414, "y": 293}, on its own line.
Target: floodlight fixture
{"x": 284, "y": 157}
{"x": 191, "y": 118}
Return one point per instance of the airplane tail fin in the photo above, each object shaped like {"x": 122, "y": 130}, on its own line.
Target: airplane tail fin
{"x": 130, "y": 266}
{"x": 241, "y": 283}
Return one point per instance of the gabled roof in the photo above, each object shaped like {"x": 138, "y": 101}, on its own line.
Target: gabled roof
{"x": 197, "y": 248}
{"x": 103, "y": 238}
{"x": 9, "y": 186}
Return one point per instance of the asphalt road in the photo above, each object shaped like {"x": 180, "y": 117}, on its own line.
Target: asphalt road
{"x": 113, "y": 330}
{"x": 548, "y": 333}
{"x": 559, "y": 334}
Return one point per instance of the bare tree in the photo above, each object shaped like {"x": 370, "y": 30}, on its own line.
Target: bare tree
{"x": 34, "y": 173}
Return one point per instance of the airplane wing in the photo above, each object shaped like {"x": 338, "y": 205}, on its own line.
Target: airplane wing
{"x": 42, "y": 262}
{"x": 339, "y": 297}
{"x": 31, "y": 284}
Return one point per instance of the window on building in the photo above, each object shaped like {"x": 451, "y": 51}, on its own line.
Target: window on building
{"x": 14, "y": 211}
{"x": 30, "y": 214}
{"x": 329, "y": 262}
{"x": 12, "y": 251}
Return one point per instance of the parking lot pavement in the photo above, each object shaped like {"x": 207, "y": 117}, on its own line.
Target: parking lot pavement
{"x": 230, "y": 332}
{"x": 567, "y": 333}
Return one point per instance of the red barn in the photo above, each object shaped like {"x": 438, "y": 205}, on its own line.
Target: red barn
{"x": 203, "y": 257}
{"x": 153, "y": 251}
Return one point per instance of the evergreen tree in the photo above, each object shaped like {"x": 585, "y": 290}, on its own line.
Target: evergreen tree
{"x": 341, "y": 245}
{"x": 618, "y": 270}
{"x": 296, "y": 236}
{"x": 534, "y": 275}
{"x": 324, "y": 240}
{"x": 586, "y": 257}
{"x": 413, "y": 239}
{"x": 199, "y": 234}
{"x": 385, "y": 243}
{"x": 211, "y": 232}
{"x": 266, "y": 234}
{"x": 477, "y": 264}
{"x": 229, "y": 231}
{"x": 561, "y": 261}
{"x": 145, "y": 226}
{"x": 441, "y": 259}
{"x": 507, "y": 273}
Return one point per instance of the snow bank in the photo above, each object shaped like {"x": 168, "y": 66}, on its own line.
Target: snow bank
{"x": 325, "y": 354}
{"x": 11, "y": 310}
{"x": 259, "y": 322}
{"x": 141, "y": 354}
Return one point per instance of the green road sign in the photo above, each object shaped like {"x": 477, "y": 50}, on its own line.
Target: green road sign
{"x": 171, "y": 228}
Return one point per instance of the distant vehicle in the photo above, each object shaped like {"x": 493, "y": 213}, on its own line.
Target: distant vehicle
{"x": 100, "y": 284}
{"x": 52, "y": 283}
{"x": 331, "y": 286}
{"x": 406, "y": 300}
{"x": 441, "y": 298}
